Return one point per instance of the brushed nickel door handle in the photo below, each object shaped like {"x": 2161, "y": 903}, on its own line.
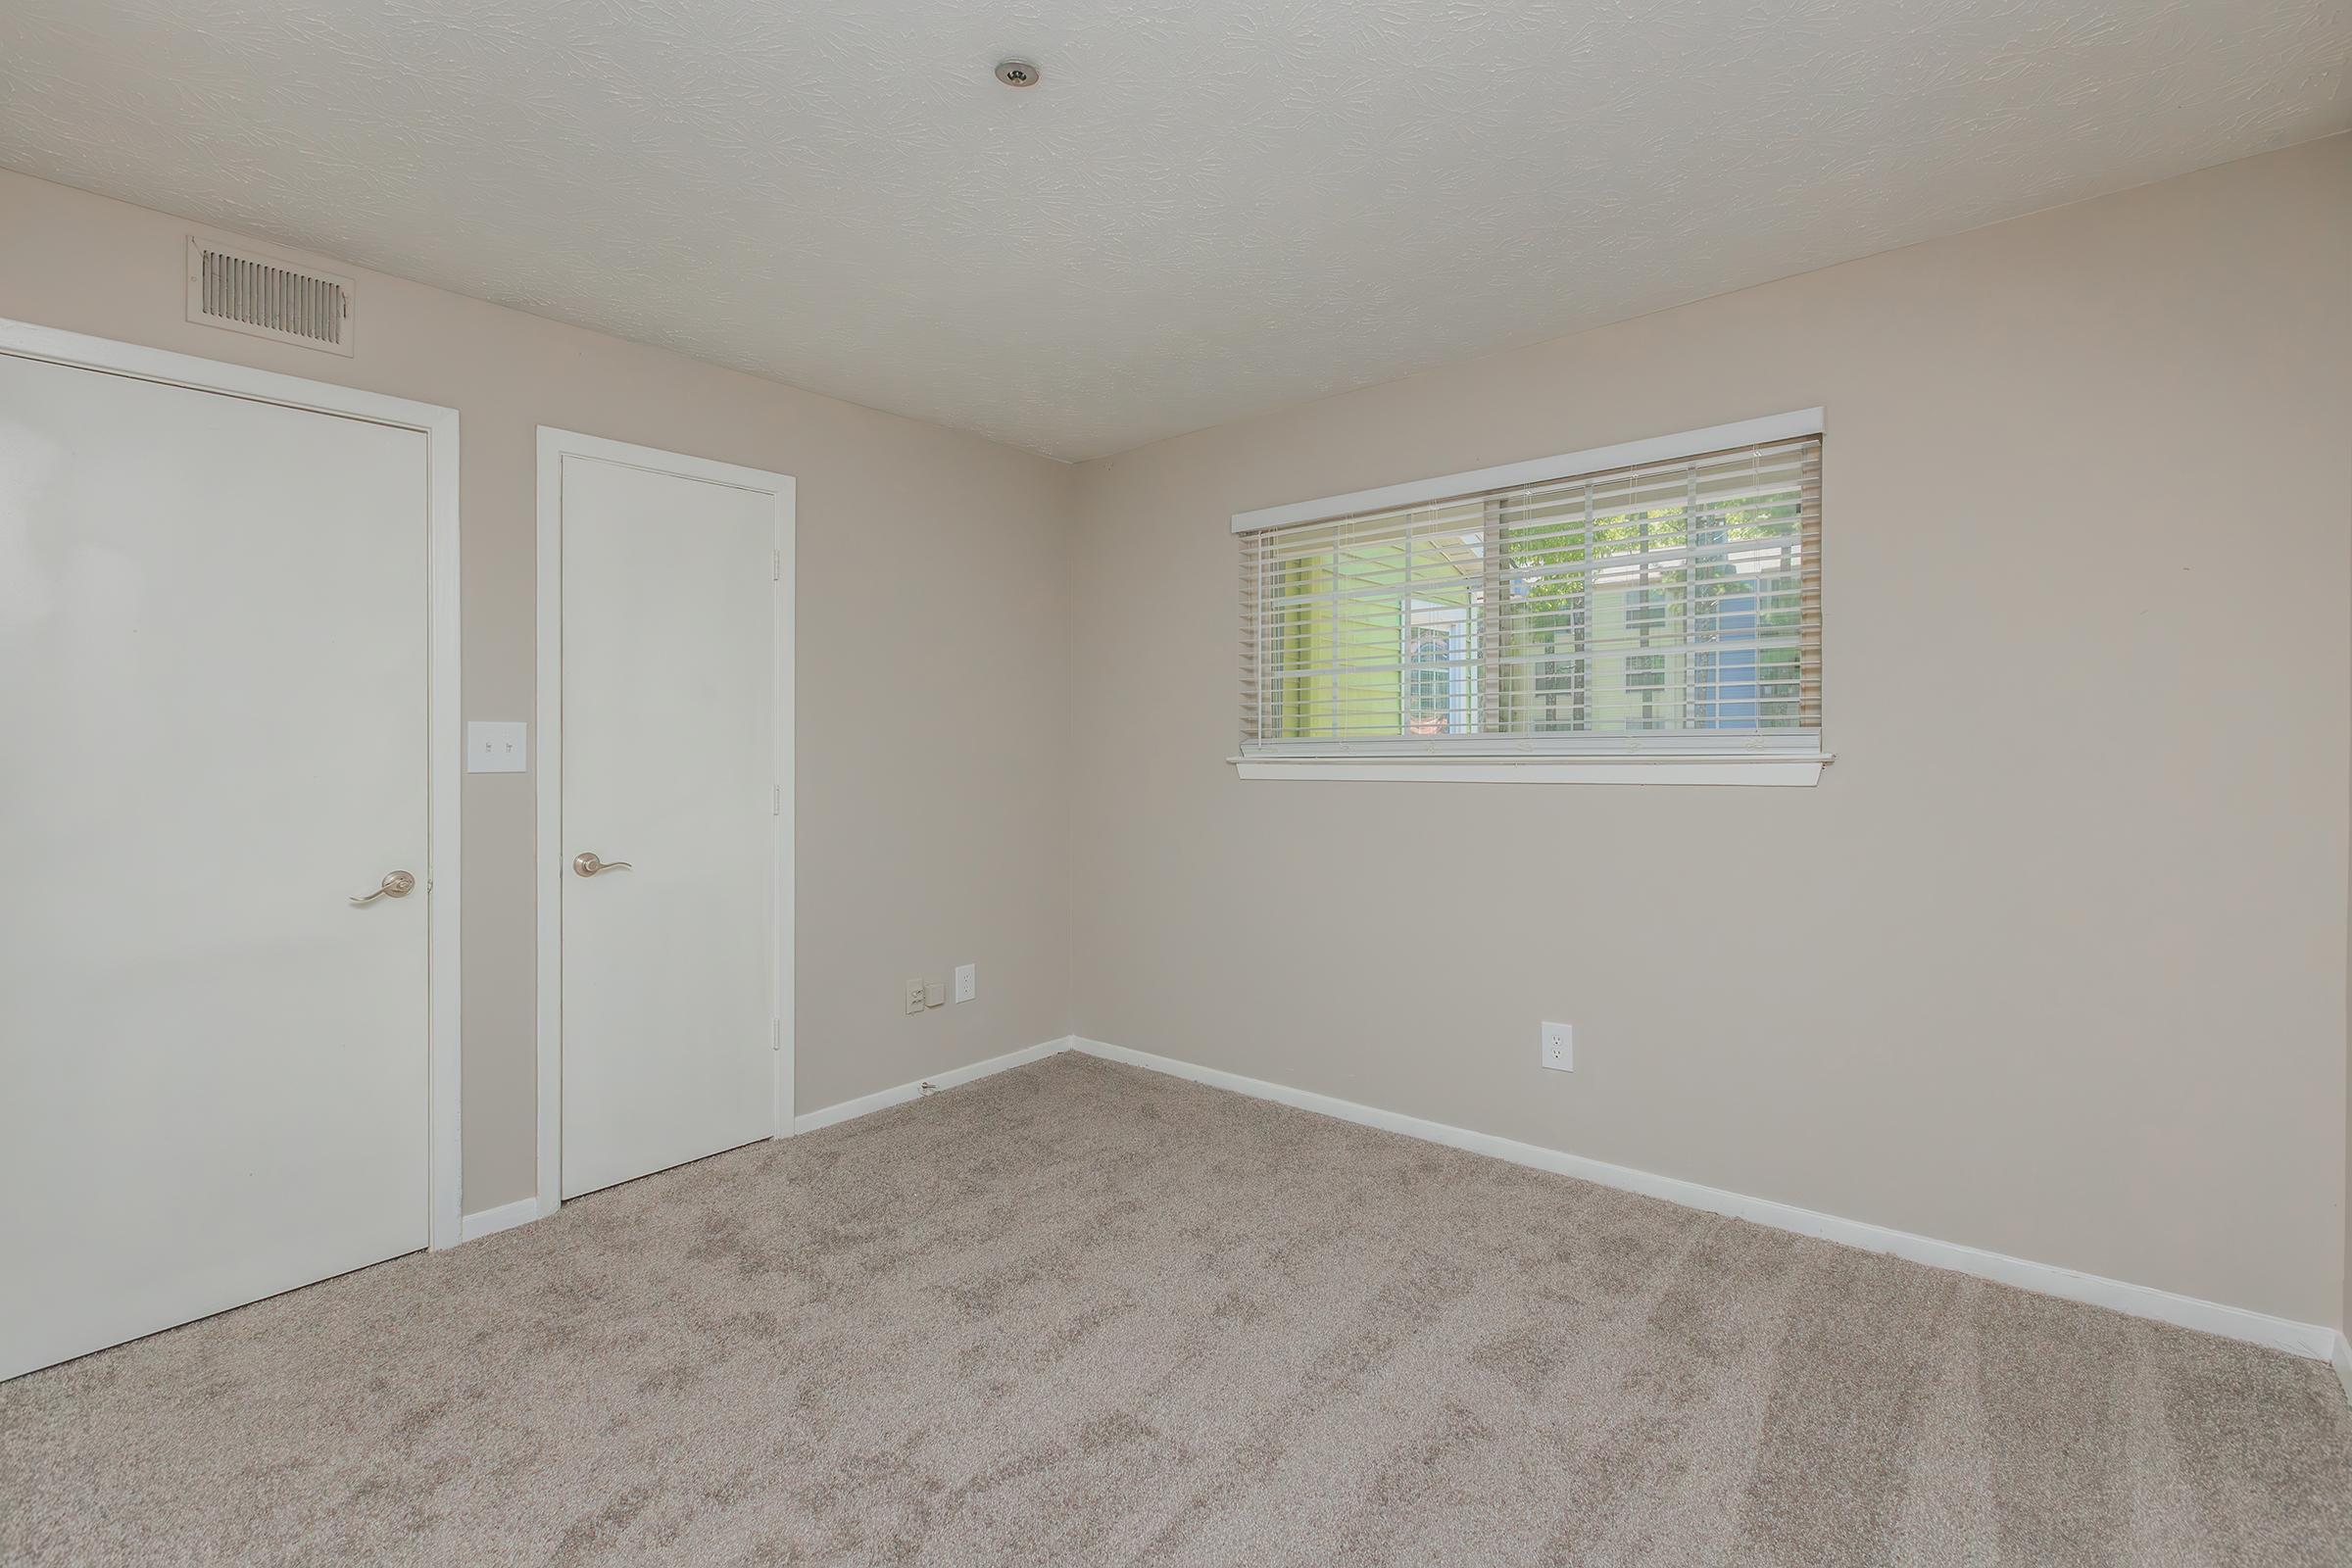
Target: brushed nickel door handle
{"x": 587, "y": 864}
{"x": 396, "y": 885}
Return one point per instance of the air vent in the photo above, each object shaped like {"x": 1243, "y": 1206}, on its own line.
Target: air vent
{"x": 263, "y": 295}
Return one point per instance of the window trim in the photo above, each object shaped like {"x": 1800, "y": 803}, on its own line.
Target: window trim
{"x": 1791, "y": 426}
{"x": 1795, "y": 760}
{"x": 1782, "y": 768}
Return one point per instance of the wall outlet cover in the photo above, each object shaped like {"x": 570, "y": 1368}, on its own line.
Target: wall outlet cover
{"x": 967, "y": 981}
{"x": 1559, "y": 1047}
{"x": 916, "y": 996}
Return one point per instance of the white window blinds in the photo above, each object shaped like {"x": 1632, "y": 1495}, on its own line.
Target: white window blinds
{"x": 1672, "y": 605}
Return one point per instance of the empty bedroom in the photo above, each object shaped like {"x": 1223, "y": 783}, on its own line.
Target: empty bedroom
{"x": 1175, "y": 782}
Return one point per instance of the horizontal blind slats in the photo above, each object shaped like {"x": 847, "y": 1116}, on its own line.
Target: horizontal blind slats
{"x": 1677, "y": 599}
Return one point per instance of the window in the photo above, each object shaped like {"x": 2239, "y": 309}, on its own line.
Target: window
{"x": 1435, "y": 678}
{"x": 1653, "y": 603}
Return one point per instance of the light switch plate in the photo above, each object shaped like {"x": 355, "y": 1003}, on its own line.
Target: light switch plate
{"x": 498, "y": 746}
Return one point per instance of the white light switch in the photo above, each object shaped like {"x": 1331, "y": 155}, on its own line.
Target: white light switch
{"x": 498, "y": 746}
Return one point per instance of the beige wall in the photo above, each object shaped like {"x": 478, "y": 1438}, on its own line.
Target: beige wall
{"x": 932, "y": 645}
{"x": 2060, "y": 966}
{"x": 2052, "y": 961}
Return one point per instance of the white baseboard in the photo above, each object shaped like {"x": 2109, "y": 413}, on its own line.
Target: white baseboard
{"x": 884, "y": 1099}
{"x": 505, "y": 1217}
{"x": 524, "y": 1211}
{"x": 2308, "y": 1339}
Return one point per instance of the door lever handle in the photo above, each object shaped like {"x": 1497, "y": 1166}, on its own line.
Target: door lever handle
{"x": 587, "y": 864}
{"x": 396, "y": 885}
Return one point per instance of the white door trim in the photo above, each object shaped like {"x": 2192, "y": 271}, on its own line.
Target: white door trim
{"x": 554, "y": 447}
{"x": 446, "y": 746}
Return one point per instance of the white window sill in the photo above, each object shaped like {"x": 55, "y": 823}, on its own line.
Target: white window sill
{"x": 1766, "y": 769}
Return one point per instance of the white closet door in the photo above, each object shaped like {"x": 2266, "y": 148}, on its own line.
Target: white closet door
{"x": 670, "y": 766}
{"x": 213, "y": 1065}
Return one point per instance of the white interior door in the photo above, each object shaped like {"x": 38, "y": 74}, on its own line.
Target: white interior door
{"x": 213, "y": 734}
{"x": 670, "y": 777}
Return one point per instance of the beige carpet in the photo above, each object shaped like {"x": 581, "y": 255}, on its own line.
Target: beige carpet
{"x": 1084, "y": 1314}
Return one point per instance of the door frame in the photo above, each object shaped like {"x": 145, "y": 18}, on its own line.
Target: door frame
{"x": 444, "y": 758}
{"x": 555, "y": 445}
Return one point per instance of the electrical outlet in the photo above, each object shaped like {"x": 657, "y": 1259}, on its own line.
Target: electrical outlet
{"x": 967, "y": 981}
{"x": 915, "y": 1002}
{"x": 1559, "y": 1047}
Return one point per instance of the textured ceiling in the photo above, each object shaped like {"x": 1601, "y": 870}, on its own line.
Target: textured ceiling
{"x": 1209, "y": 207}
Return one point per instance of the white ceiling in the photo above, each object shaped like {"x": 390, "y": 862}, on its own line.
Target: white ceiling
{"x": 1209, "y": 208}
